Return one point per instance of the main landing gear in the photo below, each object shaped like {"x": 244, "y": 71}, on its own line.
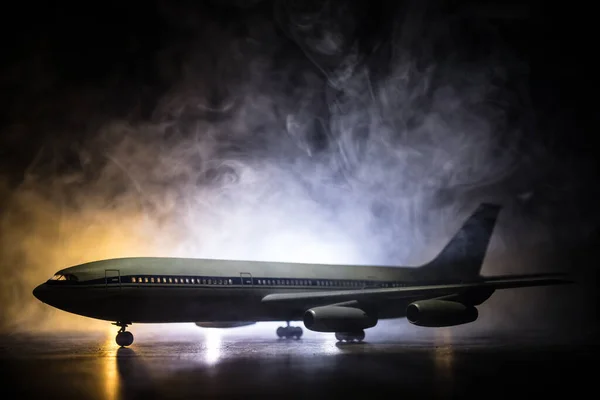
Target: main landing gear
{"x": 357, "y": 336}
{"x": 289, "y": 332}
{"x": 123, "y": 338}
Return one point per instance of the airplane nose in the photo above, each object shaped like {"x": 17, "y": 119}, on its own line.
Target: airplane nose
{"x": 40, "y": 291}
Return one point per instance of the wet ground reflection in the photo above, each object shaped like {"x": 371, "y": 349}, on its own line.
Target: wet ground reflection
{"x": 110, "y": 371}
{"x": 211, "y": 364}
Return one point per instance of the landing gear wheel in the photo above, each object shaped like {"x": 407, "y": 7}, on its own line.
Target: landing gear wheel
{"x": 358, "y": 336}
{"x": 124, "y": 339}
{"x": 289, "y": 332}
{"x": 297, "y": 332}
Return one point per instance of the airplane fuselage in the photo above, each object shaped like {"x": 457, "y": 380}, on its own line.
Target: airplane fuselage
{"x": 157, "y": 290}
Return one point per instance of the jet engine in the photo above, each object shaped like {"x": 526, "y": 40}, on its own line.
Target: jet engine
{"x": 337, "y": 319}
{"x": 440, "y": 313}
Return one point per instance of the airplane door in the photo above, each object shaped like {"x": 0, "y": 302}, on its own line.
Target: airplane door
{"x": 246, "y": 279}
{"x": 112, "y": 279}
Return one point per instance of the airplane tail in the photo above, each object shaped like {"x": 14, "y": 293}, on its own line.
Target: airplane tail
{"x": 462, "y": 257}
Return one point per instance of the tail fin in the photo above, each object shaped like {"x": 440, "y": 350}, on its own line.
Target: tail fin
{"x": 463, "y": 256}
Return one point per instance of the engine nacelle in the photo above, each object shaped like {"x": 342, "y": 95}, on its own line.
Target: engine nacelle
{"x": 224, "y": 324}
{"x": 439, "y": 313}
{"x": 338, "y": 319}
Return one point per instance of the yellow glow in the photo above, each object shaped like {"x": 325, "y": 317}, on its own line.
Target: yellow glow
{"x": 110, "y": 374}
{"x": 52, "y": 240}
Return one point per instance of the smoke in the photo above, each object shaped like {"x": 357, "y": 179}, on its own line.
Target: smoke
{"x": 305, "y": 133}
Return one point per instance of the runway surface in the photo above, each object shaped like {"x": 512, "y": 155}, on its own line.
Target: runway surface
{"x": 212, "y": 364}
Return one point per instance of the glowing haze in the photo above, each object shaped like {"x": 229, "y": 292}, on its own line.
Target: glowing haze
{"x": 293, "y": 138}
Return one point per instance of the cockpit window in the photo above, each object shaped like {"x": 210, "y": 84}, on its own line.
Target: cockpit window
{"x": 65, "y": 277}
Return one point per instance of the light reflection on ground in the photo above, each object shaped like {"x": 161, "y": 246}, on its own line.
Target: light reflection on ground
{"x": 212, "y": 345}
{"x": 110, "y": 372}
{"x": 192, "y": 362}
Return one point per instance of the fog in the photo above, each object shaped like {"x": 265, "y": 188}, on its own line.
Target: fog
{"x": 295, "y": 134}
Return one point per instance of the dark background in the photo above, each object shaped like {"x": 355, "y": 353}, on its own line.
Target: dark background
{"x": 385, "y": 120}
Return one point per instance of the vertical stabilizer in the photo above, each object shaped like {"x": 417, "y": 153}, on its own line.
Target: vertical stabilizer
{"x": 463, "y": 256}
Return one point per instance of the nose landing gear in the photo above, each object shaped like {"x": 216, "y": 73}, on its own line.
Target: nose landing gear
{"x": 289, "y": 332}
{"x": 124, "y": 338}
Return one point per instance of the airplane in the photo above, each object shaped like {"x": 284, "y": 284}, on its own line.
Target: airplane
{"x": 344, "y": 299}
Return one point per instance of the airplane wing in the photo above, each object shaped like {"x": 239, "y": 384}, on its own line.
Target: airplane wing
{"x": 427, "y": 291}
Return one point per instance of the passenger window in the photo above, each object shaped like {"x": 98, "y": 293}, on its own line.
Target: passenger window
{"x": 230, "y": 282}
{"x": 133, "y": 279}
{"x": 145, "y": 280}
{"x": 170, "y": 280}
{"x": 176, "y": 280}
